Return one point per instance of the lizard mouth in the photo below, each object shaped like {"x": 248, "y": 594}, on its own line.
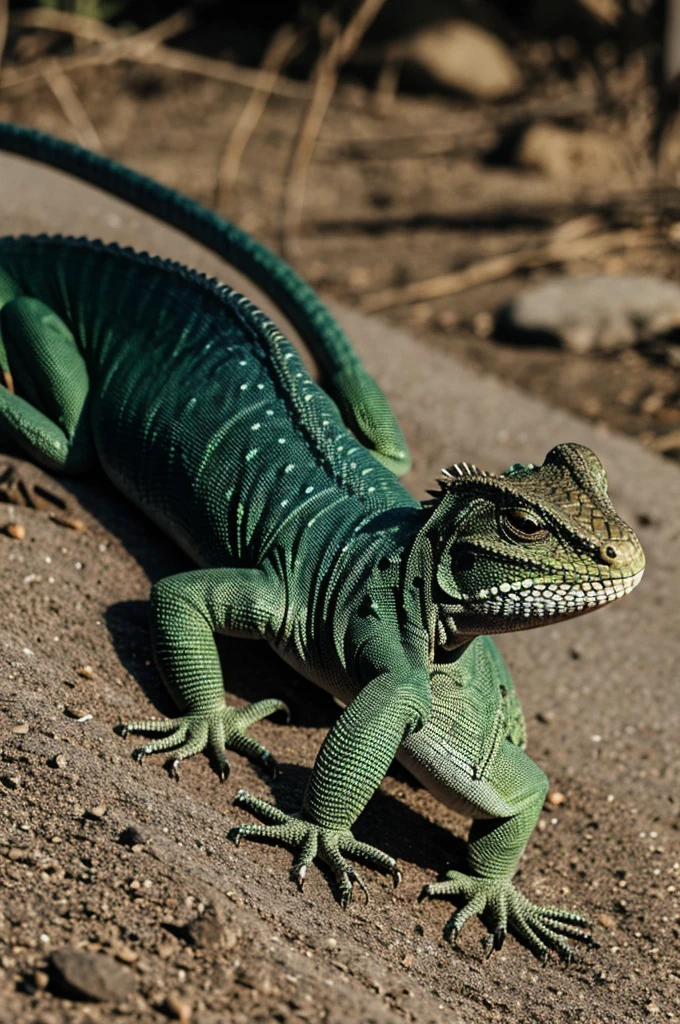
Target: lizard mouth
{"x": 547, "y": 600}
{"x": 520, "y": 606}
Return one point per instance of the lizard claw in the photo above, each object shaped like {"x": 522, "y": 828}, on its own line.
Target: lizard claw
{"x": 298, "y": 873}
{"x": 220, "y": 728}
{"x": 542, "y": 929}
{"x": 309, "y": 841}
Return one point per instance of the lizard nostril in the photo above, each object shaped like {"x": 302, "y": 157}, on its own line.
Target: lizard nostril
{"x": 608, "y": 553}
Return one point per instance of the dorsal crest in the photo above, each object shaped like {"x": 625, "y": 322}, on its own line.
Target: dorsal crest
{"x": 463, "y": 469}
{"x": 455, "y": 474}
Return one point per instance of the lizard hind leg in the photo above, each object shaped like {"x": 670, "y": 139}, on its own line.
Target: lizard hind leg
{"x": 48, "y": 417}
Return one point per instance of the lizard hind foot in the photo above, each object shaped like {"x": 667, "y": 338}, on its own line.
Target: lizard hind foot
{"x": 219, "y": 729}
{"x": 309, "y": 841}
{"x": 505, "y": 909}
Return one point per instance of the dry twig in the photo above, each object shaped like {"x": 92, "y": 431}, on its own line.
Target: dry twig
{"x": 147, "y": 47}
{"x": 339, "y": 48}
{"x": 72, "y": 108}
{"x": 282, "y": 47}
{"x": 4, "y": 22}
{"x": 558, "y": 250}
{"x": 119, "y": 47}
{"x": 77, "y": 25}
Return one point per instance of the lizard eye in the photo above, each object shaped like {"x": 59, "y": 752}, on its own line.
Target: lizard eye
{"x": 523, "y": 524}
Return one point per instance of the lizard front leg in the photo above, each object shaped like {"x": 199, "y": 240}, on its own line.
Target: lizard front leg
{"x": 494, "y": 849}
{"x": 186, "y": 612}
{"x": 348, "y": 769}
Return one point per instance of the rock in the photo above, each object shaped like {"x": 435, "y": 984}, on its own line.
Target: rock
{"x": 95, "y": 976}
{"x": 593, "y": 314}
{"x": 566, "y": 153}
{"x": 463, "y": 56}
{"x": 15, "y": 530}
{"x": 211, "y": 930}
{"x": 132, "y": 836}
{"x": 178, "y": 1009}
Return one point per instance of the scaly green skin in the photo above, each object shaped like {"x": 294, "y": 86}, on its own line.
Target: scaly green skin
{"x": 202, "y": 413}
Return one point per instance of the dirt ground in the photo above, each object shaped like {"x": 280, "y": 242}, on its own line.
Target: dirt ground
{"x": 120, "y": 860}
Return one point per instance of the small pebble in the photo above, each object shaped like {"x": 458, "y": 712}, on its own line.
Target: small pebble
{"x": 79, "y": 714}
{"x": 15, "y": 530}
{"x": 21, "y": 729}
{"x": 132, "y": 837}
{"x": 10, "y": 781}
{"x": 60, "y": 761}
{"x": 96, "y": 812}
{"x": 41, "y": 979}
{"x": 90, "y": 975}
{"x": 126, "y": 955}
{"x": 70, "y": 522}
{"x": 606, "y": 920}
{"x": 555, "y": 798}
{"x": 86, "y": 671}
{"x": 178, "y": 1009}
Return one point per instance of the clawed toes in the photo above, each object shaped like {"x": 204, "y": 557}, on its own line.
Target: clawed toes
{"x": 356, "y": 877}
{"x": 298, "y": 873}
{"x": 234, "y": 834}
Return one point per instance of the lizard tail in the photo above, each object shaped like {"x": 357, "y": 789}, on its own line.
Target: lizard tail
{"x": 362, "y": 404}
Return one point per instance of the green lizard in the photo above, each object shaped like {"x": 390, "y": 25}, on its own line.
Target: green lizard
{"x": 203, "y": 414}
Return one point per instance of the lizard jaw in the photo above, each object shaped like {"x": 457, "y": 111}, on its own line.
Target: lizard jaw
{"x": 509, "y": 607}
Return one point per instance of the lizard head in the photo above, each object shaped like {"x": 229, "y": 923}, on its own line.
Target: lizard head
{"x": 535, "y": 544}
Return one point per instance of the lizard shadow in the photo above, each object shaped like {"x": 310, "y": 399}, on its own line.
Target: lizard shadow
{"x": 387, "y": 822}
{"x": 254, "y": 672}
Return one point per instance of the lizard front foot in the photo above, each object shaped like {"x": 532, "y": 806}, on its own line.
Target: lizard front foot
{"x": 222, "y": 728}
{"x": 506, "y": 909}
{"x": 309, "y": 841}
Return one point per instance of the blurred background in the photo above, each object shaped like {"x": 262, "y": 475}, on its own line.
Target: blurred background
{"x": 500, "y": 178}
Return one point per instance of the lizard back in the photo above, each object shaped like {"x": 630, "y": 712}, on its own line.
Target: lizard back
{"x": 198, "y": 399}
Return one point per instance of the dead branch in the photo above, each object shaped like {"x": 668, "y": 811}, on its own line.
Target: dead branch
{"x": 281, "y": 49}
{"x": 72, "y": 108}
{"x": 4, "y": 22}
{"x": 119, "y": 47}
{"x": 147, "y": 47}
{"x": 76, "y": 25}
{"x": 340, "y": 46}
{"x": 558, "y": 250}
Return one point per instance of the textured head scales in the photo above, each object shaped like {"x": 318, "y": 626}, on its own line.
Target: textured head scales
{"x": 535, "y": 543}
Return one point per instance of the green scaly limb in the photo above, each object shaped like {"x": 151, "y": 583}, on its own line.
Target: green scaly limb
{"x": 202, "y": 413}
